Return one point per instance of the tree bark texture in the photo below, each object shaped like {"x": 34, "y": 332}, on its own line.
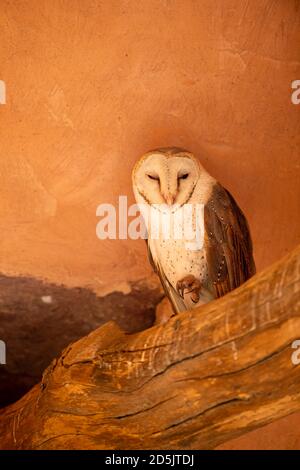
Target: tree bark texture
{"x": 206, "y": 376}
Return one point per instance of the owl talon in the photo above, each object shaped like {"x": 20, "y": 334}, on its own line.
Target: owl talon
{"x": 189, "y": 285}
{"x": 195, "y": 298}
{"x": 179, "y": 290}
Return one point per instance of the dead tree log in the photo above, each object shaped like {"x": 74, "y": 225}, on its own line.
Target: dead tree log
{"x": 203, "y": 378}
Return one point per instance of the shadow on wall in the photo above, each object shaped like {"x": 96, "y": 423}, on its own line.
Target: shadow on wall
{"x": 38, "y": 320}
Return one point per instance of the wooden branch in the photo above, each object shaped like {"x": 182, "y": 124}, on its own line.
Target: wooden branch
{"x": 206, "y": 376}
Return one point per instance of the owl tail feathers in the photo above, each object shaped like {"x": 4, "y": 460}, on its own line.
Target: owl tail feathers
{"x": 176, "y": 301}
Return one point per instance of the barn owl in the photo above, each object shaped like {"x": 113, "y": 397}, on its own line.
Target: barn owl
{"x": 171, "y": 179}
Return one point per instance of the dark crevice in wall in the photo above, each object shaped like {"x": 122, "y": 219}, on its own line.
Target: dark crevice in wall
{"x": 39, "y": 319}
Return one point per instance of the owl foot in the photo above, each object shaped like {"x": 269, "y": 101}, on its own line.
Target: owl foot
{"x": 189, "y": 285}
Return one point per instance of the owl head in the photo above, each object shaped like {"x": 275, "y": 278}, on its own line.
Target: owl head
{"x": 166, "y": 176}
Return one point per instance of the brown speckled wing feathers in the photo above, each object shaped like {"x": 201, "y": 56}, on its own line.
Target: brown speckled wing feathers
{"x": 228, "y": 243}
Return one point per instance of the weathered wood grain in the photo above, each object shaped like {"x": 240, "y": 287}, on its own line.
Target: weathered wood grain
{"x": 206, "y": 376}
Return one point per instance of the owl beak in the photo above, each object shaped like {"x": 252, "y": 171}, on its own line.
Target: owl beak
{"x": 169, "y": 199}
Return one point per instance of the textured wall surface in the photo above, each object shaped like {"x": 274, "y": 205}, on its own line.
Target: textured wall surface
{"x": 92, "y": 84}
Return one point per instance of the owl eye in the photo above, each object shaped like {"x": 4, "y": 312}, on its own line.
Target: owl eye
{"x": 153, "y": 177}
{"x": 183, "y": 177}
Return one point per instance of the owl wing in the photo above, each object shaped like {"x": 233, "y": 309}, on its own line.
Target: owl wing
{"x": 173, "y": 296}
{"x": 227, "y": 242}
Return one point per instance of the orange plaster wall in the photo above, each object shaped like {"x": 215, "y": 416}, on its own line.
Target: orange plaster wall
{"x": 91, "y": 85}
